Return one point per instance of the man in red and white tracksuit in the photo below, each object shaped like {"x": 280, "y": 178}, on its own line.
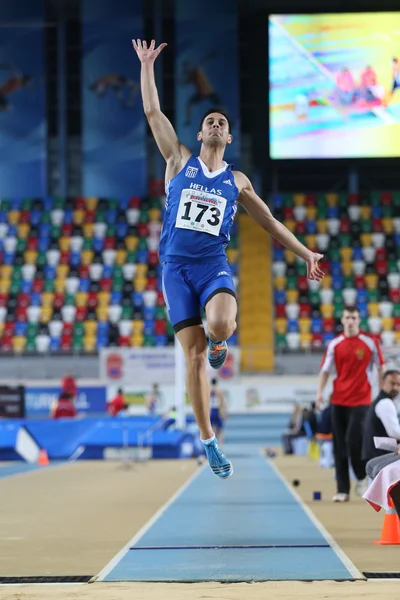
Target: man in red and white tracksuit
{"x": 353, "y": 354}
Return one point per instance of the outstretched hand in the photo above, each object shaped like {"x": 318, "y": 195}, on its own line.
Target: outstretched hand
{"x": 313, "y": 270}
{"x": 147, "y": 54}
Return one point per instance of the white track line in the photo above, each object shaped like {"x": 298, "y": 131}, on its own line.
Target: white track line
{"x": 334, "y": 545}
{"x": 118, "y": 557}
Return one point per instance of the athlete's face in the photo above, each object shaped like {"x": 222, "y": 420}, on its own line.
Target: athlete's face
{"x": 215, "y": 131}
{"x": 391, "y": 385}
{"x": 351, "y": 323}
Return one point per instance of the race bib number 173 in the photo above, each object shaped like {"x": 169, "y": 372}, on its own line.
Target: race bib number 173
{"x": 200, "y": 211}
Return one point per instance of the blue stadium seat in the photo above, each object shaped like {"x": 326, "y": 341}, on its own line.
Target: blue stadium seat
{"x": 142, "y": 257}
{"x": 137, "y": 299}
{"x": 111, "y": 216}
{"x": 68, "y": 216}
{"x": 55, "y": 343}
{"x": 84, "y": 285}
{"x": 8, "y": 258}
{"x": 26, "y": 287}
{"x": 337, "y": 282}
{"x": 328, "y": 337}
{"x": 278, "y": 255}
{"x": 316, "y": 325}
{"x": 116, "y": 298}
{"x": 102, "y": 341}
{"x": 161, "y": 340}
{"x": 336, "y": 268}
{"x": 36, "y": 299}
{"x": 98, "y": 244}
{"x": 15, "y": 204}
{"x": 3, "y": 217}
{"x": 280, "y": 296}
{"x": 107, "y": 272}
{"x": 311, "y": 227}
{"x": 358, "y": 254}
{"x": 292, "y": 325}
{"x": 376, "y": 212}
{"x": 332, "y": 212}
{"x": 362, "y": 296}
{"x": 35, "y": 217}
{"x": 50, "y": 272}
{"x": 43, "y": 244}
{"x": 45, "y": 230}
{"x": 149, "y": 312}
{"x": 102, "y": 328}
{"x": 12, "y": 231}
{"x": 148, "y": 327}
{"x": 123, "y": 204}
{"x": 278, "y": 201}
{"x": 122, "y": 230}
{"x": 20, "y": 328}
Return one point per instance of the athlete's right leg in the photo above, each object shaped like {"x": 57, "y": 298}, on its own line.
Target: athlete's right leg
{"x": 194, "y": 344}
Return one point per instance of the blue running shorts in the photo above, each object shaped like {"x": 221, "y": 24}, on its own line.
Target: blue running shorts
{"x": 187, "y": 286}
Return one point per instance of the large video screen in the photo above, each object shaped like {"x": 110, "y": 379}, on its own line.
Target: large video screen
{"x": 334, "y": 85}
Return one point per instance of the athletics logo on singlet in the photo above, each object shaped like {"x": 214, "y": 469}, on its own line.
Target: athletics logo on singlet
{"x": 191, "y": 172}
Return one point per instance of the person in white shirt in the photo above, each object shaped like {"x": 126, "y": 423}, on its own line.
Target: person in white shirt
{"x": 382, "y": 419}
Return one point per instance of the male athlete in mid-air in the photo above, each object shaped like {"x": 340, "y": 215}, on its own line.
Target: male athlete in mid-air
{"x": 201, "y": 196}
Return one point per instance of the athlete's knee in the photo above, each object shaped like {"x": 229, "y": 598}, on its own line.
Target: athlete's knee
{"x": 221, "y": 328}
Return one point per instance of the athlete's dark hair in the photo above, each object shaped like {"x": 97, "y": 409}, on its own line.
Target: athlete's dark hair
{"x": 220, "y": 112}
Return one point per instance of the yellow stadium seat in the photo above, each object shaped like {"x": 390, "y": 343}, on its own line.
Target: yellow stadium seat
{"x": 30, "y": 257}
{"x": 137, "y": 327}
{"x": 131, "y": 243}
{"x": 371, "y": 281}
{"x": 322, "y": 226}
{"x": 91, "y": 203}
{"x": 1, "y": 328}
{"x": 233, "y": 255}
{"x": 78, "y": 216}
{"x": 90, "y": 328}
{"x": 81, "y": 298}
{"x": 47, "y": 299}
{"x": 155, "y": 215}
{"x": 387, "y": 323}
{"x": 13, "y": 217}
{"x": 141, "y": 271}
{"x": 59, "y": 285}
{"x": 87, "y": 257}
{"x": 46, "y": 313}
{"x": 65, "y": 243}
{"x": 18, "y": 343}
{"x": 62, "y": 271}
{"x": 290, "y": 224}
{"x": 311, "y": 212}
{"x": 305, "y": 340}
{"x": 299, "y": 199}
{"x": 304, "y": 325}
{"x": 346, "y": 254}
{"x": 347, "y": 268}
{"x": 327, "y": 311}
{"x": 140, "y": 284}
{"x": 120, "y": 257}
{"x": 103, "y": 298}
{"x": 280, "y": 283}
{"x": 365, "y": 212}
{"x": 332, "y": 200}
{"x": 373, "y": 309}
{"x": 388, "y": 226}
{"x": 89, "y": 343}
{"x": 311, "y": 241}
{"x": 6, "y": 271}
{"x": 366, "y": 240}
{"x": 281, "y": 326}
{"x": 23, "y": 231}
{"x": 5, "y": 286}
{"x": 397, "y": 337}
{"x": 290, "y": 258}
{"x": 292, "y": 296}
{"x": 137, "y": 341}
{"x": 88, "y": 230}
{"x": 102, "y": 313}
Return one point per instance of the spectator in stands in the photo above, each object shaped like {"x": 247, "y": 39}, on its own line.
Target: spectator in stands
{"x": 382, "y": 419}
{"x": 68, "y": 385}
{"x": 64, "y": 407}
{"x": 153, "y": 400}
{"x": 346, "y": 87}
{"x": 310, "y": 417}
{"x": 117, "y": 404}
{"x": 353, "y": 354}
{"x": 296, "y": 429}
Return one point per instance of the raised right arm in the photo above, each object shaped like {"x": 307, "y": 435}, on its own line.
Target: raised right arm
{"x": 163, "y": 132}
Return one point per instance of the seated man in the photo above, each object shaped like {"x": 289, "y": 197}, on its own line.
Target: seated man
{"x": 64, "y": 407}
{"x": 381, "y": 419}
{"x": 384, "y": 471}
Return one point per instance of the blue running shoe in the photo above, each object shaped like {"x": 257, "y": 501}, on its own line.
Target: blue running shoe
{"x": 218, "y": 462}
{"x": 217, "y": 353}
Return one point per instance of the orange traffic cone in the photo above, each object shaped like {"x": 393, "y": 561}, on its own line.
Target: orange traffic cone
{"x": 43, "y": 459}
{"x": 390, "y": 535}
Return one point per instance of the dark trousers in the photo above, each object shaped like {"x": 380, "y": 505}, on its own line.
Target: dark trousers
{"x": 347, "y": 430}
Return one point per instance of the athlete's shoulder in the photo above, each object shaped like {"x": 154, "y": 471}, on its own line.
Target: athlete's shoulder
{"x": 241, "y": 180}
{"x": 368, "y": 338}
{"x": 336, "y": 341}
